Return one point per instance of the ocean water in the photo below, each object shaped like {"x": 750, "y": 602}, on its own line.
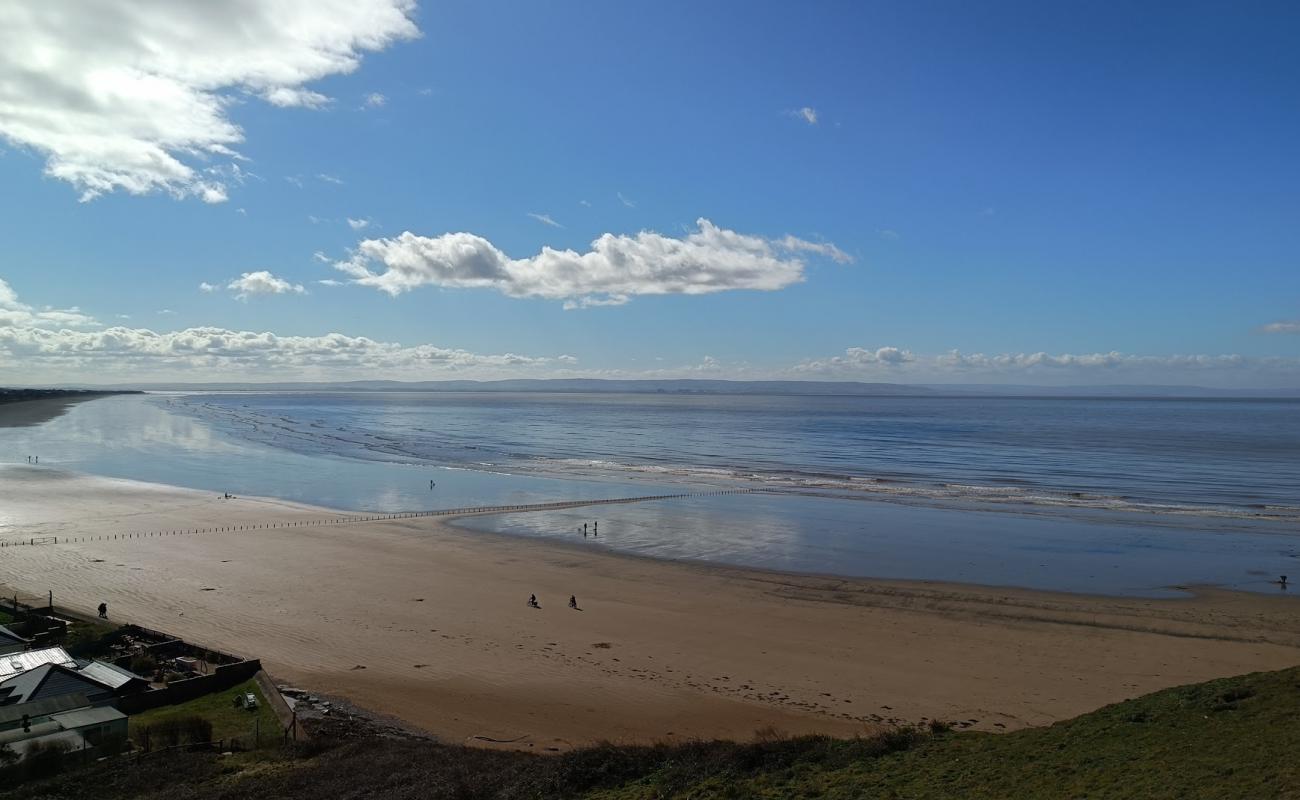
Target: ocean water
{"x": 1092, "y": 495}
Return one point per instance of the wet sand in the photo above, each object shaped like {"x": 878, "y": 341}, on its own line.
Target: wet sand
{"x": 428, "y": 623}
{"x": 33, "y": 412}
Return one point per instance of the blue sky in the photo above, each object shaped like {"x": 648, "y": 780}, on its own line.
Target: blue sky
{"x": 1060, "y": 193}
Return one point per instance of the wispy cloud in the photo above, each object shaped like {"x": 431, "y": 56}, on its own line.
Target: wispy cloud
{"x": 1285, "y": 326}
{"x": 808, "y": 114}
{"x": 585, "y": 203}
{"x": 625, "y": 201}
{"x": 327, "y": 178}
{"x": 136, "y": 97}
{"x": 358, "y": 224}
{"x": 616, "y": 268}
{"x": 545, "y": 219}
{"x": 375, "y": 100}
{"x": 888, "y": 235}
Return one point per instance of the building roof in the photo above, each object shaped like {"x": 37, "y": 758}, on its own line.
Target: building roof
{"x": 9, "y": 637}
{"x": 12, "y": 664}
{"x": 11, "y": 716}
{"x": 110, "y": 675}
{"x": 85, "y": 717}
{"x": 50, "y": 680}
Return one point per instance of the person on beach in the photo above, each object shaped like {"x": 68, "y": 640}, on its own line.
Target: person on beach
{"x": 103, "y": 610}
{"x": 432, "y": 484}
{"x": 573, "y": 601}
{"x": 1283, "y": 581}
{"x": 532, "y": 601}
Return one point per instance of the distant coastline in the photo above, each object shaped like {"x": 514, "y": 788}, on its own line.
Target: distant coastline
{"x": 23, "y": 407}
{"x": 726, "y": 387}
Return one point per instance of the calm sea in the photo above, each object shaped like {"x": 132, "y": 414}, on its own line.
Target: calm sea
{"x": 1105, "y": 495}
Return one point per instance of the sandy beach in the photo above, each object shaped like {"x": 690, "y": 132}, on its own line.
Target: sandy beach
{"x": 419, "y": 620}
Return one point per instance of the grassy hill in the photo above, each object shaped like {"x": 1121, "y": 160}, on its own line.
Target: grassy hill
{"x": 1233, "y": 738}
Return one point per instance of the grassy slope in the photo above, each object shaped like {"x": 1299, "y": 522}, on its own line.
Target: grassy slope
{"x": 1234, "y": 738}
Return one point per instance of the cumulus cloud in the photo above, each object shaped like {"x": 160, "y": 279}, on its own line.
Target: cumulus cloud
{"x": 208, "y": 287}
{"x": 214, "y": 352}
{"x": 134, "y": 95}
{"x": 358, "y": 224}
{"x": 14, "y": 313}
{"x": 1286, "y": 326}
{"x": 545, "y": 219}
{"x": 615, "y": 269}
{"x": 261, "y": 282}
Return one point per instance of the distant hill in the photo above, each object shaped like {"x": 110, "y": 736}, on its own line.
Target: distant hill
{"x": 720, "y": 387}
{"x": 568, "y": 385}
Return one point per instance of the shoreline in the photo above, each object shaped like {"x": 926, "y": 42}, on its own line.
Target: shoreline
{"x": 426, "y": 622}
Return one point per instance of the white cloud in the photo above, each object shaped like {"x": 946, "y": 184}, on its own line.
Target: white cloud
{"x": 584, "y": 203}
{"x": 208, "y": 287}
{"x": 1286, "y": 326}
{"x": 207, "y": 352}
{"x": 358, "y": 224}
{"x": 286, "y": 97}
{"x": 954, "y": 366}
{"x": 885, "y": 233}
{"x": 134, "y": 95}
{"x": 616, "y": 268}
{"x": 807, "y": 114}
{"x": 625, "y": 201}
{"x": 321, "y": 257}
{"x": 545, "y": 219}
{"x": 296, "y": 180}
{"x": 327, "y": 178}
{"x": 166, "y": 312}
{"x": 262, "y": 282}
{"x": 15, "y": 313}
{"x": 375, "y": 100}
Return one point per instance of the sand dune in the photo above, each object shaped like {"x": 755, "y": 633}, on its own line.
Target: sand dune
{"x": 428, "y": 623}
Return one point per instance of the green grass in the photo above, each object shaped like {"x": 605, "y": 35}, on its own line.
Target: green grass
{"x": 228, "y": 722}
{"x": 1233, "y": 739}
{"x": 6, "y": 618}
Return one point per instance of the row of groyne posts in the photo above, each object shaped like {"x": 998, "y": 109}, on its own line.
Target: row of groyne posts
{"x": 352, "y": 520}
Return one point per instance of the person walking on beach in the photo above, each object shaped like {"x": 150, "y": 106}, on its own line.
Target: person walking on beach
{"x": 1283, "y": 581}
{"x": 103, "y": 610}
{"x": 595, "y": 528}
{"x": 431, "y": 485}
{"x": 573, "y": 601}
{"x": 532, "y": 601}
